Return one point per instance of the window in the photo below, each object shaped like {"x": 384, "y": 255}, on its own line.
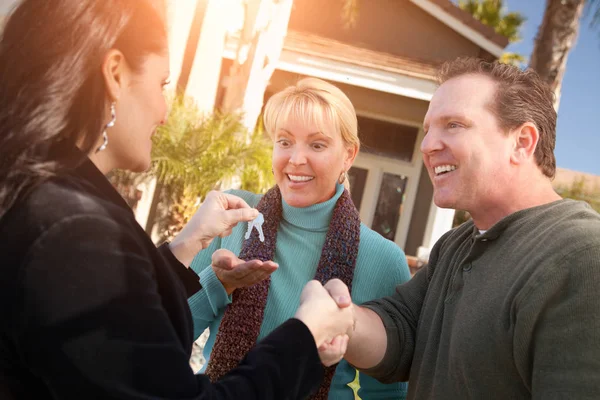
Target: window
{"x": 387, "y": 139}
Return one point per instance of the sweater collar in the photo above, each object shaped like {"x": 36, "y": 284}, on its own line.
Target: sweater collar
{"x": 496, "y": 230}
{"x": 315, "y": 217}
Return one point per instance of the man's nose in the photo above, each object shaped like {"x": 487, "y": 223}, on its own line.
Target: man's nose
{"x": 431, "y": 142}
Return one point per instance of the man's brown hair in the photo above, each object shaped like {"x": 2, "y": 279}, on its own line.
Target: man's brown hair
{"x": 521, "y": 96}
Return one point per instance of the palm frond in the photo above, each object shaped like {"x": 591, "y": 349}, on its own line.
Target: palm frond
{"x": 513, "y": 59}
{"x": 493, "y": 13}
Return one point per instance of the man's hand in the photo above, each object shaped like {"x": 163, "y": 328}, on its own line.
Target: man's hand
{"x": 235, "y": 273}
{"x": 328, "y": 322}
{"x": 217, "y": 216}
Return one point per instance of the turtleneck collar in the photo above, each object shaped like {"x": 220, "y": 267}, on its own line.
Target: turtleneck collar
{"x": 315, "y": 217}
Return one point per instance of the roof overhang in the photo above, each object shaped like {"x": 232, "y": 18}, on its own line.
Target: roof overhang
{"x": 310, "y": 55}
{"x": 449, "y": 14}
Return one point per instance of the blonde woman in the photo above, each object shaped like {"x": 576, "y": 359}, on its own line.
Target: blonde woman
{"x": 312, "y": 230}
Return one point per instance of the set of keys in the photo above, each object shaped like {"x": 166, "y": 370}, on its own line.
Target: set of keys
{"x": 256, "y": 223}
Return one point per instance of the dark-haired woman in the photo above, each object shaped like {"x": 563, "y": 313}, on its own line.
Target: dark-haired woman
{"x": 90, "y": 308}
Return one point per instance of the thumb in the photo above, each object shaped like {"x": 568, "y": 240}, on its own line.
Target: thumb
{"x": 339, "y": 292}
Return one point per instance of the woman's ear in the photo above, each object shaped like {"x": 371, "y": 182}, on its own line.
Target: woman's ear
{"x": 350, "y": 156}
{"x": 114, "y": 71}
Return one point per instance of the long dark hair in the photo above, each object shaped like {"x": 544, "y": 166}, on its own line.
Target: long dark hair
{"x": 51, "y": 85}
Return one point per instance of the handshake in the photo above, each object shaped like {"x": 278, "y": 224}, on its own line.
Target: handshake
{"x": 327, "y": 310}
{"x": 329, "y": 314}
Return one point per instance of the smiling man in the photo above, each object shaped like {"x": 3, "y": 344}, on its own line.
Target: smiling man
{"x": 509, "y": 305}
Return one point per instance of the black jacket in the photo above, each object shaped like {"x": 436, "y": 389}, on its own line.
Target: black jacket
{"x": 90, "y": 308}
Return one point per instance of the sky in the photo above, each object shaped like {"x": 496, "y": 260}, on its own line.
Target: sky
{"x": 578, "y": 131}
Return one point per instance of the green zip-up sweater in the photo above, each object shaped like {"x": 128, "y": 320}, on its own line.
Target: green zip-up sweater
{"x": 513, "y": 313}
{"x": 380, "y": 265}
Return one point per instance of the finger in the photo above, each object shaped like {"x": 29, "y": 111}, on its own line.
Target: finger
{"x": 345, "y": 340}
{"x": 253, "y": 273}
{"x": 311, "y": 289}
{"x": 247, "y": 267}
{"x": 324, "y": 346}
{"x": 234, "y": 216}
{"x": 334, "y": 353}
{"x": 258, "y": 267}
{"x": 224, "y": 259}
{"x": 233, "y": 202}
{"x": 245, "y": 271}
{"x": 339, "y": 292}
{"x": 340, "y": 346}
{"x": 269, "y": 266}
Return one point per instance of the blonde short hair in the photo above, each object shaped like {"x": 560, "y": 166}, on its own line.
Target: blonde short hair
{"x": 315, "y": 101}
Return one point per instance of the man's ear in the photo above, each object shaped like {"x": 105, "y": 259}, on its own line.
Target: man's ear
{"x": 114, "y": 71}
{"x": 526, "y": 139}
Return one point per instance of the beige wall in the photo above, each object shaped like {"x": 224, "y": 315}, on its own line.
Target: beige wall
{"x": 396, "y": 27}
{"x": 565, "y": 178}
{"x": 365, "y": 100}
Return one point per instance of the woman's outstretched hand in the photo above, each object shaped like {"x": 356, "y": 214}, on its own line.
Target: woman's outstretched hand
{"x": 235, "y": 273}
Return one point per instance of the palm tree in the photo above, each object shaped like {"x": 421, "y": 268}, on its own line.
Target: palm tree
{"x": 492, "y": 13}
{"x": 556, "y": 36}
{"x": 195, "y": 153}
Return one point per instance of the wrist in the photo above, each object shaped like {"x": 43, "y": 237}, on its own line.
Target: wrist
{"x": 185, "y": 250}
{"x": 228, "y": 289}
{"x": 313, "y": 326}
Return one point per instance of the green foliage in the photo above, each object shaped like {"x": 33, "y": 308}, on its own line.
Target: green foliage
{"x": 492, "y": 13}
{"x": 579, "y": 191}
{"x": 257, "y": 174}
{"x": 513, "y": 59}
{"x": 198, "y": 152}
{"x": 194, "y": 153}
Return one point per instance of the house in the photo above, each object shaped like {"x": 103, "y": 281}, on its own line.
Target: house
{"x": 386, "y": 64}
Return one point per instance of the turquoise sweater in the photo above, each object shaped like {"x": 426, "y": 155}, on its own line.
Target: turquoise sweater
{"x": 380, "y": 266}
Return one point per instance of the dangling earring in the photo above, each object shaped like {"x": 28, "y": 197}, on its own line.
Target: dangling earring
{"x": 111, "y": 123}
{"x": 342, "y": 178}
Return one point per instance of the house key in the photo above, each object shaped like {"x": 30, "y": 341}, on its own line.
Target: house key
{"x": 256, "y": 223}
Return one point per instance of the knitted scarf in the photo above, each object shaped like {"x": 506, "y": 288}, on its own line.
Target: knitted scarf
{"x": 240, "y": 326}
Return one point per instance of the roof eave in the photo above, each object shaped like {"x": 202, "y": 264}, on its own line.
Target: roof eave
{"x": 483, "y": 36}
